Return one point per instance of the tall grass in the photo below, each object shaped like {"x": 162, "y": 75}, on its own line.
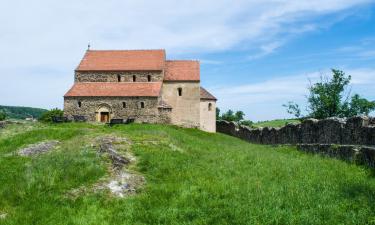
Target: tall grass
{"x": 192, "y": 178}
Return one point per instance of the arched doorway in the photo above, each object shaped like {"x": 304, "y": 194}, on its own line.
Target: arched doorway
{"x": 103, "y": 114}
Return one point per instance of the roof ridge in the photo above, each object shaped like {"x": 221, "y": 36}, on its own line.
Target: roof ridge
{"x": 119, "y": 50}
{"x": 182, "y": 60}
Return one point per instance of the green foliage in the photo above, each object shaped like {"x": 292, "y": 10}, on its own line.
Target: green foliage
{"x": 211, "y": 179}
{"x": 358, "y": 106}
{"x": 330, "y": 98}
{"x": 237, "y": 116}
{"x": 3, "y": 115}
{"x": 293, "y": 108}
{"x": 217, "y": 113}
{"x": 19, "y": 112}
{"x": 47, "y": 116}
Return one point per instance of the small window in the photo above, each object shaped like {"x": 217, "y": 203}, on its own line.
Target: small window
{"x": 124, "y": 105}
{"x": 79, "y": 104}
{"x": 118, "y": 78}
{"x": 134, "y": 78}
{"x": 179, "y": 91}
{"x": 209, "y": 106}
{"x": 148, "y": 78}
{"x": 142, "y": 105}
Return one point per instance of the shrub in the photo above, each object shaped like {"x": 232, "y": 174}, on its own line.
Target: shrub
{"x": 3, "y": 115}
{"x": 47, "y": 116}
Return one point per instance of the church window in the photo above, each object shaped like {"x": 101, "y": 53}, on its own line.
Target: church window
{"x": 118, "y": 78}
{"x": 179, "y": 91}
{"x": 79, "y": 104}
{"x": 134, "y": 78}
{"x": 148, "y": 78}
{"x": 124, "y": 105}
{"x": 209, "y": 106}
{"x": 142, "y": 105}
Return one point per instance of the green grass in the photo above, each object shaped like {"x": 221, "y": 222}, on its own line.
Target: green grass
{"x": 192, "y": 177}
{"x": 275, "y": 123}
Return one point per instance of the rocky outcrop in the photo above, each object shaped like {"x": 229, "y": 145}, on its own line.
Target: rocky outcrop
{"x": 345, "y": 139}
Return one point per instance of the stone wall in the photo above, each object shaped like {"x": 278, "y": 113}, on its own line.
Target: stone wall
{"x": 333, "y": 137}
{"x": 125, "y": 76}
{"x": 90, "y": 106}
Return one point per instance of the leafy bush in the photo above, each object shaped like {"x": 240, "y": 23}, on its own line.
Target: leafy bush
{"x": 47, "y": 116}
{"x": 330, "y": 98}
{"x": 237, "y": 116}
{"x": 3, "y": 115}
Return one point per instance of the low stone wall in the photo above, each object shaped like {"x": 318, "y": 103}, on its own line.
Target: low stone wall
{"x": 333, "y": 137}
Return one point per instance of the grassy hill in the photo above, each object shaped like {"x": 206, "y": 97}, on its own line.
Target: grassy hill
{"x": 19, "y": 112}
{"x": 275, "y": 123}
{"x": 192, "y": 177}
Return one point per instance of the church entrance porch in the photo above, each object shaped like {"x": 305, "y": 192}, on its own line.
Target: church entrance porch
{"x": 104, "y": 117}
{"x": 103, "y": 114}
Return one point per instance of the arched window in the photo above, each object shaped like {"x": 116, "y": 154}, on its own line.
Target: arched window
{"x": 118, "y": 78}
{"x": 209, "y": 106}
{"x": 148, "y": 78}
{"x": 142, "y": 105}
{"x": 124, "y": 105}
{"x": 179, "y": 91}
{"x": 79, "y": 104}
{"x": 134, "y": 78}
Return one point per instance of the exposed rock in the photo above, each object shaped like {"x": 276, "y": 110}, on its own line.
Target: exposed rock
{"x": 106, "y": 145}
{"x": 3, "y": 215}
{"x": 38, "y": 148}
{"x": 125, "y": 183}
{"x": 2, "y": 124}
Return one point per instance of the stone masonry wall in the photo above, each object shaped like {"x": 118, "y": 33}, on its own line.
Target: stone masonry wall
{"x": 90, "y": 105}
{"x": 352, "y": 139}
{"x": 125, "y": 76}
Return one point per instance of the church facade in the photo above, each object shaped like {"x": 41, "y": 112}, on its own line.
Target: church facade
{"x": 141, "y": 85}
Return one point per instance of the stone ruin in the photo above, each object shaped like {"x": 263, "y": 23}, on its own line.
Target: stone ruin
{"x": 351, "y": 139}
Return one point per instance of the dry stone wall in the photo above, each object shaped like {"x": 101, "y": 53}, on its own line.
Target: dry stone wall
{"x": 352, "y": 139}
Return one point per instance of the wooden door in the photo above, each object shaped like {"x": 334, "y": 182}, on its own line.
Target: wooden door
{"x": 104, "y": 117}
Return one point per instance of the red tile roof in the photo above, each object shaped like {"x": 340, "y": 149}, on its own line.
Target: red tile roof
{"x": 107, "y": 89}
{"x": 207, "y": 95}
{"x": 122, "y": 60}
{"x": 182, "y": 70}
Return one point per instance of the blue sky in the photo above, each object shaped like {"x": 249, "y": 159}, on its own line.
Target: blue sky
{"x": 255, "y": 55}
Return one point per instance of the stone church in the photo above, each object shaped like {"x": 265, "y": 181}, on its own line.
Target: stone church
{"x": 141, "y": 85}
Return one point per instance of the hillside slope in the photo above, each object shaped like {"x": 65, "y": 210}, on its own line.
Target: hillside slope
{"x": 192, "y": 177}
{"x": 20, "y": 112}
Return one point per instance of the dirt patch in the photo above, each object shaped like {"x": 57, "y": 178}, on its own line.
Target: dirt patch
{"x": 122, "y": 181}
{"x": 38, "y": 148}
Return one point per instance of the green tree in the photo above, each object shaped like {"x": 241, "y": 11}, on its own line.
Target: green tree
{"x": 237, "y": 116}
{"x": 330, "y": 98}
{"x": 3, "y": 115}
{"x": 47, "y": 116}
{"x": 218, "y": 117}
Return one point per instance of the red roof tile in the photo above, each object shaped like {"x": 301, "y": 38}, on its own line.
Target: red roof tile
{"x": 104, "y": 89}
{"x": 207, "y": 95}
{"x": 122, "y": 60}
{"x": 181, "y": 70}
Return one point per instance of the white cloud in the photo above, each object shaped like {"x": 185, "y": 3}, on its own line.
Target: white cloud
{"x": 263, "y": 100}
{"x": 42, "y": 41}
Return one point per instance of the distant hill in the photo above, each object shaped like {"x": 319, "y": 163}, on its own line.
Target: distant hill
{"x": 275, "y": 123}
{"x": 20, "y": 112}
